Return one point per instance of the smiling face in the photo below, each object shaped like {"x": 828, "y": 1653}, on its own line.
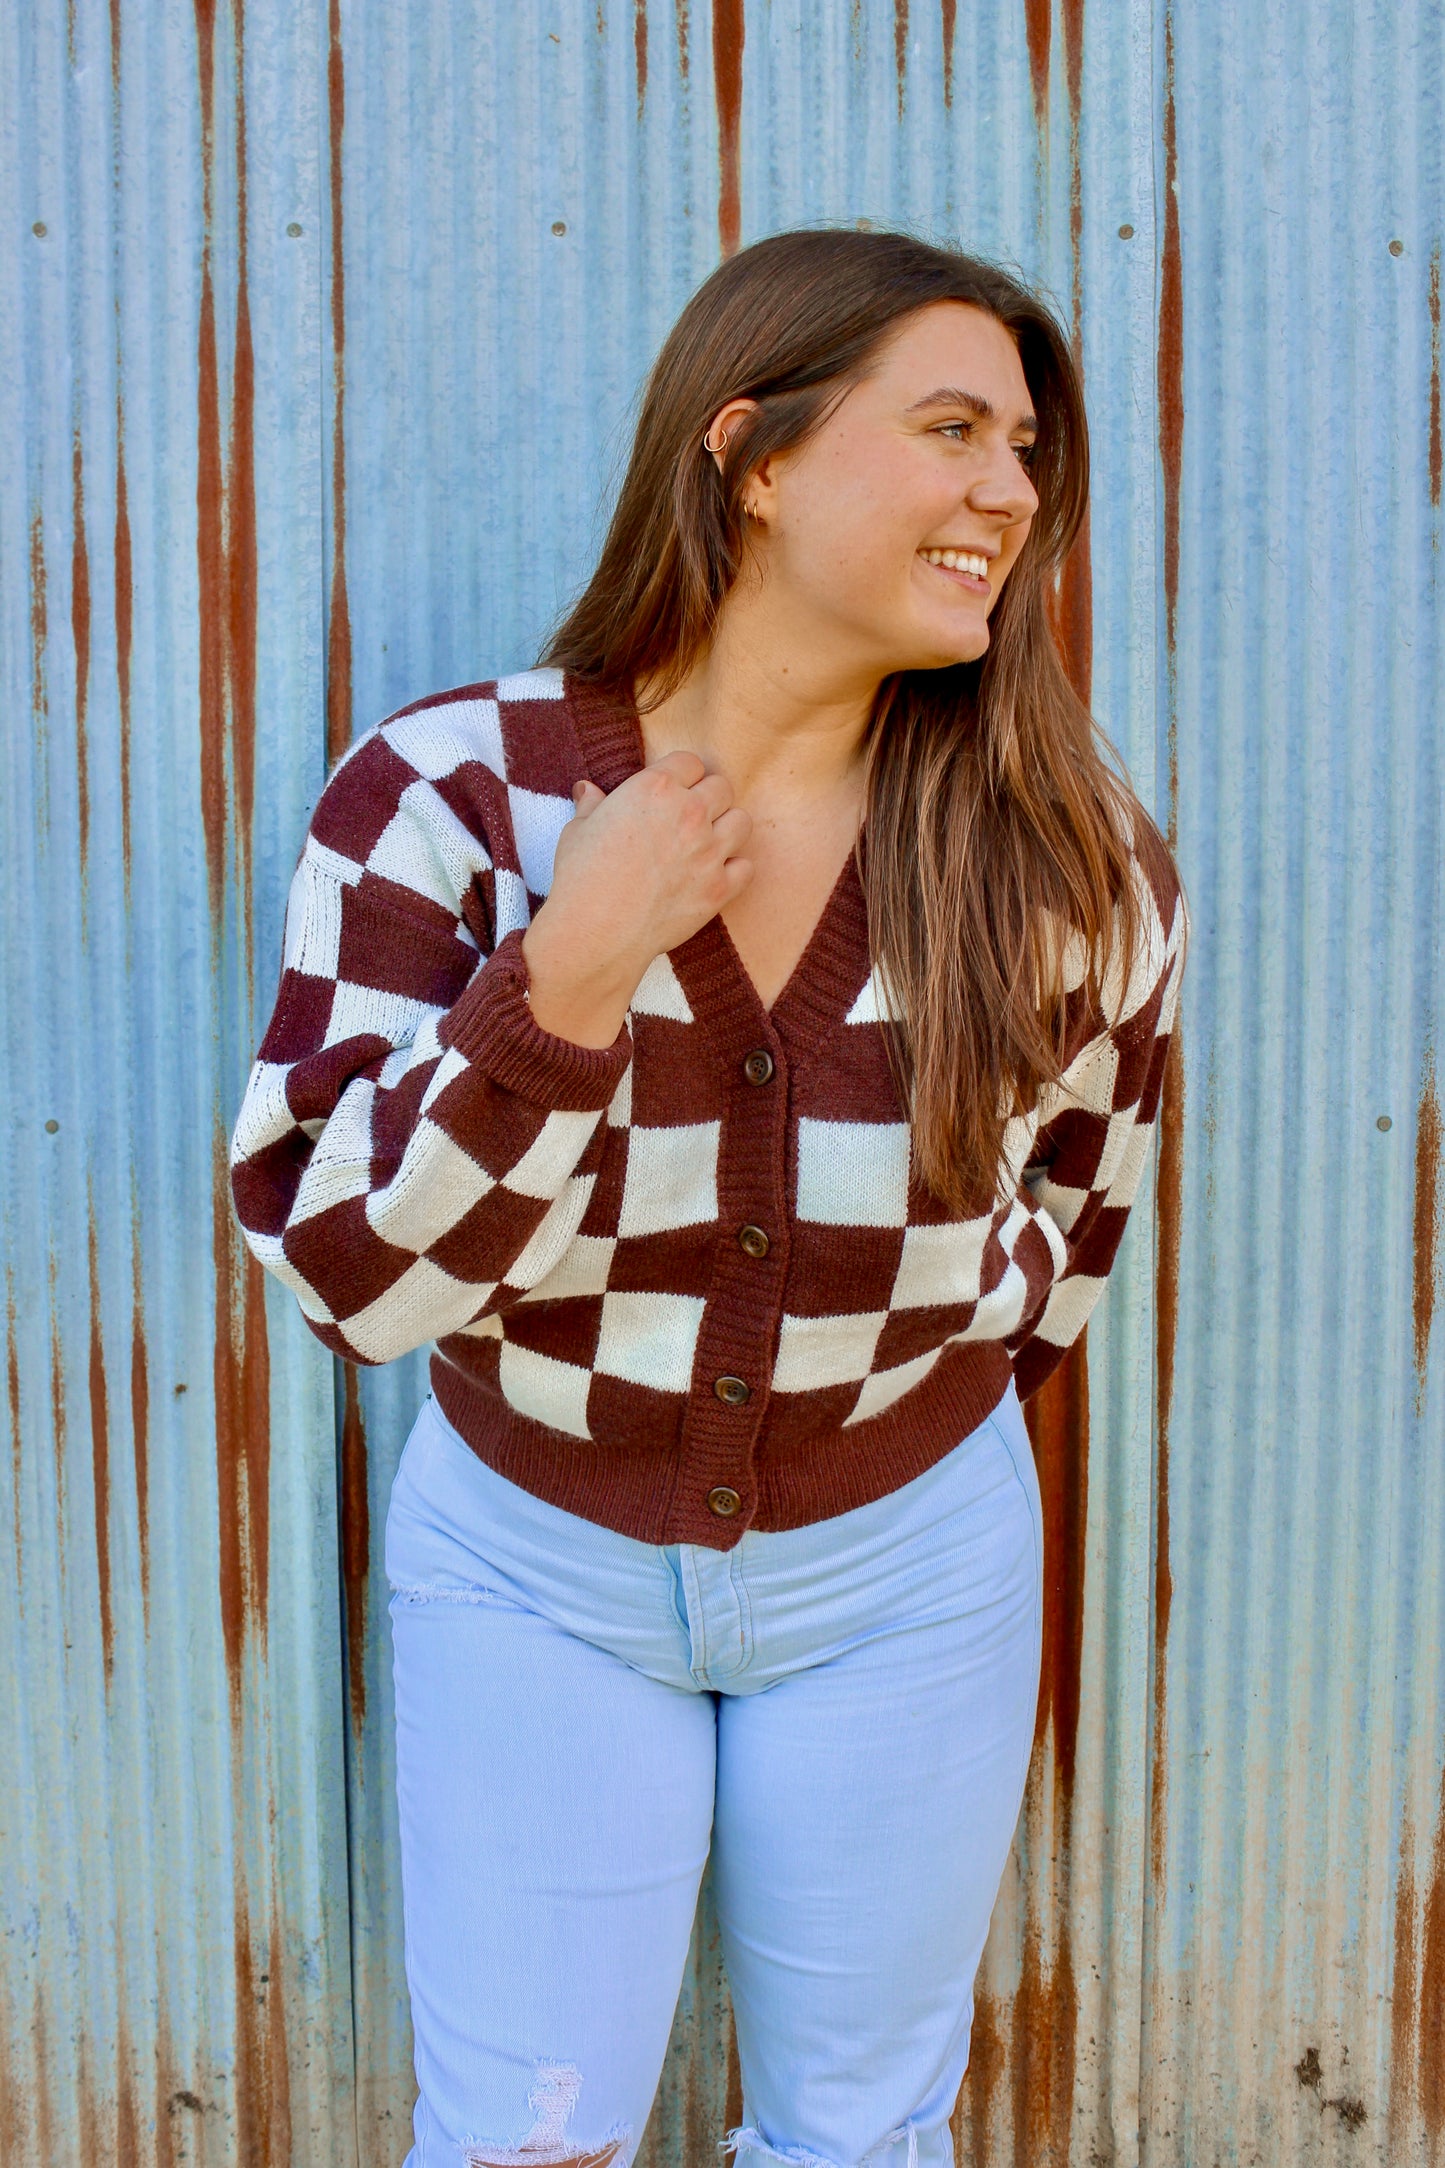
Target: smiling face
{"x": 892, "y": 529}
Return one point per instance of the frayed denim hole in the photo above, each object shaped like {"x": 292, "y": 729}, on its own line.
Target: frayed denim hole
{"x": 552, "y": 2098}
{"x": 749, "y": 2139}
{"x": 406, "y": 1592}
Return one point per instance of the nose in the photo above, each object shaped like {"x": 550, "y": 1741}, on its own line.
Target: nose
{"x": 1003, "y": 488}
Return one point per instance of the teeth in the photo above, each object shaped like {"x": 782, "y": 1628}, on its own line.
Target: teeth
{"x": 959, "y": 561}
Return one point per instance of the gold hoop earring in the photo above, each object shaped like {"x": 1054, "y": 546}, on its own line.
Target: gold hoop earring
{"x": 707, "y": 443}
{"x": 750, "y": 511}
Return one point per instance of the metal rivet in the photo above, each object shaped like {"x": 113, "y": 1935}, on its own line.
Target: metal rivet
{"x": 734, "y": 1391}
{"x": 559, "y": 225}
{"x": 1397, "y": 248}
{"x": 1126, "y": 233}
{"x": 758, "y": 1067}
{"x": 40, "y": 229}
{"x": 51, "y": 1127}
{"x": 294, "y": 230}
{"x": 754, "y": 1241}
{"x": 1382, "y": 1121}
{"x": 723, "y": 1500}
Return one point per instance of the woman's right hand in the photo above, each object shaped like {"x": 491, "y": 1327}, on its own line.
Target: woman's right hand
{"x": 637, "y": 871}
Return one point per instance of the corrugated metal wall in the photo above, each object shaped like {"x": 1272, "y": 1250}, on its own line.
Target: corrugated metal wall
{"x": 319, "y": 336}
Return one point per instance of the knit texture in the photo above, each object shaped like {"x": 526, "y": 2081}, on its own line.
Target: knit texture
{"x": 419, "y": 1161}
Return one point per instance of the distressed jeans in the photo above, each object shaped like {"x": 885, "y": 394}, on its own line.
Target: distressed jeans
{"x": 842, "y": 1714}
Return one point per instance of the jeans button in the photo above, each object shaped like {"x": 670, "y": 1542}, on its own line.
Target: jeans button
{"x": 758, "y": 1067}
{"x": 723, "y": 1501}
{"x": 732, "y": 1390}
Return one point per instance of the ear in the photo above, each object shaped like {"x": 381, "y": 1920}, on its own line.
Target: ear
{"x": 720, "y": 428}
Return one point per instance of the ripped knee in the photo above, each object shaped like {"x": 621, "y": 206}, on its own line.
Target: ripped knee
{"x": 548, "y": 2144}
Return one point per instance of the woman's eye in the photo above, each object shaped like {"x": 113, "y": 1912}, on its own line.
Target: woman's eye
{"x": 947, "y": 428}
{"x": 1028, "y": 453}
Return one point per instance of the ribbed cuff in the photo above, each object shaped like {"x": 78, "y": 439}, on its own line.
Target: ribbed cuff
{"x": 492, "y": 1024}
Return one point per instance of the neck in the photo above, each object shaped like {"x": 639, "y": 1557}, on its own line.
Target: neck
{"x": 772, "y": 714}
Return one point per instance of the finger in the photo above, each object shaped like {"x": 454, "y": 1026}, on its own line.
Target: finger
{"x": 685, "y": 767}
{"x": 715, "y": 792}
{"x": 737, "y": 873}
{"x": 731, "y": 830}
{"x": 586, "y": 797}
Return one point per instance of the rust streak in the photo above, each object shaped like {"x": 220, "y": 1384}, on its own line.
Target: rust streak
{"x": 733, "y": 2097}
{"x": 950, "y": 25}
{"x": 978, "y": 2095}
{"x": 17, "y": 1457}
{"x": 1058, "y": 1424}
{"x": 900, "y": 49}
{"x": 47, "y": 2147}
{"x": 241, "y": 562}
{"x": 1045, "y": 2012}
{"x": 1074, "y": 76}
{"x": 1434, "y": 440}
{"x": 140, "y": 1401}
{"x": 124, "y": 608}
{"x": 57, "y": 1407}
{"x": 251, "y": 2092}
{"x": 80, "y": 635}
{"x": 39, "y": 698}
{"x": 100, "y": 1445}
{"x": 115, "y": 48}
{"x": 355, "y": 1541}
{"x": 1432, "y": 1993}
{"x": 210, "y": 510}
{"x": 1044, "y": 2041}
{"x": 242, "y": 1372}
{"x": 128, "y": 2138}
{"x": 1071, "y": 613}
{"x": 14, "y": 2105}
{"x": 1038, "y": 17}
{"x": 728, "y": 32}
{"x": 1403, "y": 1989}
{"x": 338, "y": 634}
{"x": 1426, "y": 1230}
{"x": 37, "y": 614}
{"x": 210, "y": 565}
{"x": 682, "y": 30}
{"x": 1169, "y": 1208}
{"x": 639, "y": 51}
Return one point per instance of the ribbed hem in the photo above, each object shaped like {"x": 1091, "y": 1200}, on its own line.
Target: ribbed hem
{"x": 492, "y": 1024}
{"x": 627, "y": 1487}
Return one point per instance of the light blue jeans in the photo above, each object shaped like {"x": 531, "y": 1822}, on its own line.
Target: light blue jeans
{"x": 841, "y": 1713}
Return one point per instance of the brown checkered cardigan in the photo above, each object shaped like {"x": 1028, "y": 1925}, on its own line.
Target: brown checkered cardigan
{"x": 688, "y": 1284}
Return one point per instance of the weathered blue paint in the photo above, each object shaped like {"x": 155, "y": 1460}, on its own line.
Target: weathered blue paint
{"x": 323, "y": 366}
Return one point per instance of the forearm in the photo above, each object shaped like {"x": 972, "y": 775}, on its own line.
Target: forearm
{"x": 574, "y": 992}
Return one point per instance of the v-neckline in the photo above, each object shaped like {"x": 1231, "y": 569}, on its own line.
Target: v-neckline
{"x": 834, "y": 961}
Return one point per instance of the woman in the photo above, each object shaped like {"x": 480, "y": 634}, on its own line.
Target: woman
{"x": 737, "y": 1044}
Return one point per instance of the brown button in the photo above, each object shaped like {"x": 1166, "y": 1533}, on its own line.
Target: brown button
{"x": 758, "y": 1067}
{"x": 732, "y": 1390}
{"x": 723, "y": 1501}
{"x": 754, "y": 1241}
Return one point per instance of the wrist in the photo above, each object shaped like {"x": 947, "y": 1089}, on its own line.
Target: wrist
{"x": 573, "y": 997}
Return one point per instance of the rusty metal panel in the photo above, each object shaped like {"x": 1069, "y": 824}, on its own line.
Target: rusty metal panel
{"x": 174, "y": 1983}
{"x": 1296, "y": 1954}
{"x": 324, "y": 362}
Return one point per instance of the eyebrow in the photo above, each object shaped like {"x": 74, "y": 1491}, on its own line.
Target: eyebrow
{"x": 950, "y": 395}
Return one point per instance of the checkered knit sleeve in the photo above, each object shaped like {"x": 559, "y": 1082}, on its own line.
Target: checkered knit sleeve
{"x": 1097, "y": 1130}
{"x": 413, "y": 1149}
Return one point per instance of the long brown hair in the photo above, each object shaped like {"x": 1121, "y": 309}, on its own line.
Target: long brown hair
{"x": 993, "y": 827}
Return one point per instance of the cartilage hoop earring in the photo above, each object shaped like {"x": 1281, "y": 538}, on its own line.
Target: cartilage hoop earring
{"x": 707, "y": 442}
